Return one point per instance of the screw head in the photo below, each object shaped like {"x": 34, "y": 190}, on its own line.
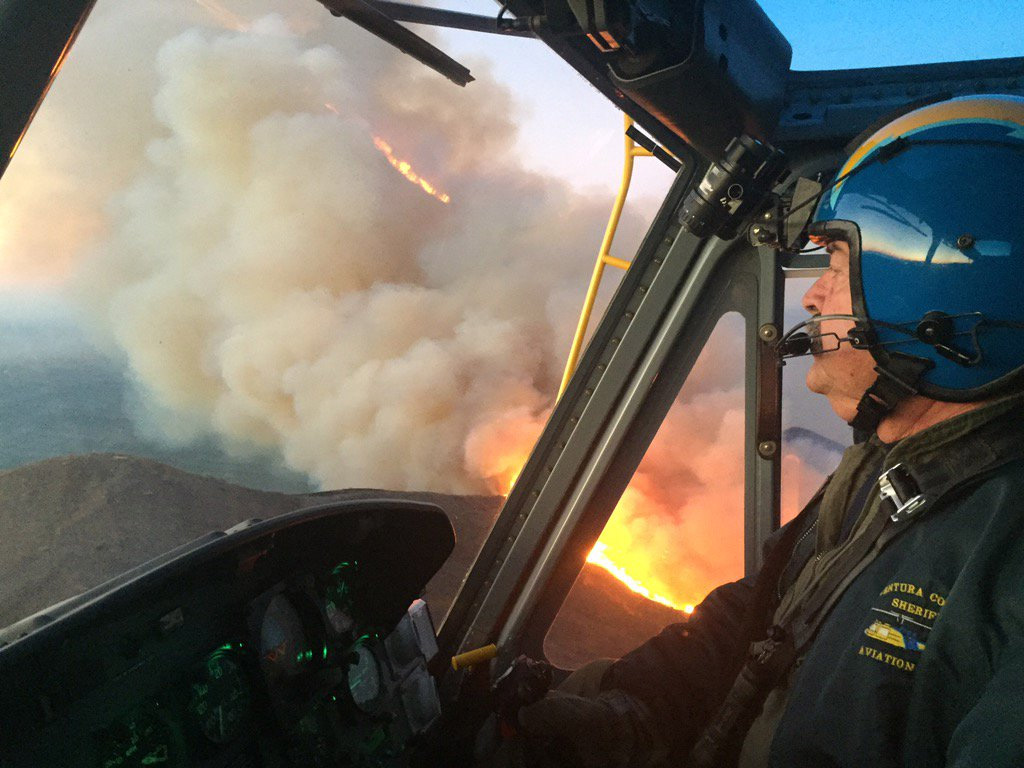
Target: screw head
{"x": 768, "y": 332}
{"x": 767, "y": 448}
{"x": 965, "y": 241}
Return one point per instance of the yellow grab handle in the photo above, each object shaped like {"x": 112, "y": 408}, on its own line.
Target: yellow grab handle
{"x": 472, "y": 658}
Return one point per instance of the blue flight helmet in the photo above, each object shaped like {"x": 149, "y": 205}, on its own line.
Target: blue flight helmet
{"x": 932, "y": 207}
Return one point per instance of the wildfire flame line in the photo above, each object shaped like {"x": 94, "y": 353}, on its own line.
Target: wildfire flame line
{"x": 598, "y": 556}
{"x": 406, "y": 170}
{"x": 401, "y": 166}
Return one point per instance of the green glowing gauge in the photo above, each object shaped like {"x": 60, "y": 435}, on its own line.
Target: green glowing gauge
{"x": 338, "y": 620}
{"x": 144, "y": 739}
{"x": 364, "y": 679}
{"x": 220, "y": 700}
{"x": 284, "y": 648}
{"x": 339, "y": 590}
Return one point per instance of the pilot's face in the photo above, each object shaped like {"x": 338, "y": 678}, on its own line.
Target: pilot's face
{"x": 842, "y": 376}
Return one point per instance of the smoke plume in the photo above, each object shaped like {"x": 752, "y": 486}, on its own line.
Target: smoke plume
{"x": 269, "y": 275}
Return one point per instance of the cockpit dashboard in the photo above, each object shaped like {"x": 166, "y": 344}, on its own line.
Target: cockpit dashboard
{"x": 298, "y": 641}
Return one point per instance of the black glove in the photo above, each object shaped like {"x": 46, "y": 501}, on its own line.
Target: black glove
{"x": 611, "y": 730}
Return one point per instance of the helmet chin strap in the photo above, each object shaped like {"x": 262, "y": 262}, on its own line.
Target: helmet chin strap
{"x": 896, "y": 381}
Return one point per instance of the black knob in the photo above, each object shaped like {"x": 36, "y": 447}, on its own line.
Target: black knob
{"x": 935, "y": 328}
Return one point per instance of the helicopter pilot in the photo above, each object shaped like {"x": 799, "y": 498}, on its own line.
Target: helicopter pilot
{"x": 886, "y": 626}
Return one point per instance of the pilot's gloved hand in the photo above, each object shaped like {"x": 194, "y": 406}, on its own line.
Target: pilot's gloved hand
{"x": 610, "y": 730}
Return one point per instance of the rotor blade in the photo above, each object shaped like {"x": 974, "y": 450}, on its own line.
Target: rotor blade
{"x": 390, "y": 31}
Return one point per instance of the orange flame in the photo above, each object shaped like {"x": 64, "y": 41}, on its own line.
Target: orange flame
{"x": 406, "y": 170}
{"x": 401, "y": 166}
{"x": 601, "y": 554}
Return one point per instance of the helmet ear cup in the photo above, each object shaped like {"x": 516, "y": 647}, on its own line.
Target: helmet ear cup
{"x": 938, "y": 330}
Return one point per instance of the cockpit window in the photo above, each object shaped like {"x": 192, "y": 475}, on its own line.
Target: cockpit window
{"x": 813, "y": 437}
{"x": 677, "y": 531}
{"x": 257, "y": 254}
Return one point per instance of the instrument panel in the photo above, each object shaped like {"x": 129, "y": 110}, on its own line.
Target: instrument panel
{"x": 279, "y": 644}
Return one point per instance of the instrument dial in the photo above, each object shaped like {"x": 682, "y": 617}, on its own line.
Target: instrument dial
{"x": 284, "y": 646}
{"x": 364, "y": 679}
{"x": 338, "y": 619}
{"x": 220, "y": 699}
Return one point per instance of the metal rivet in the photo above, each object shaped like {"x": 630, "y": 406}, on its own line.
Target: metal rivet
{"x": 965, "y": 241}
{"x": 767, "y": 215}
{"x": 767, "y": 448}
{"x": 768, "y": 332}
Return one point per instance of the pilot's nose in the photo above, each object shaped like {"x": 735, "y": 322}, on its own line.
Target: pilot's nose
{"x": 815, "y": 296}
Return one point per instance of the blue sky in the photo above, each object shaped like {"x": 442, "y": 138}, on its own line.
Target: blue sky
{"x": 871, "y": 33}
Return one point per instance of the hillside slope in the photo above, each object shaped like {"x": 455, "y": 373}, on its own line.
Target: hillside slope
{"x": 70, "y": 523}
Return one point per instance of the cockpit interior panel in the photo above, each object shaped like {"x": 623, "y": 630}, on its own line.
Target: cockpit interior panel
{"x": 299, "y": 641}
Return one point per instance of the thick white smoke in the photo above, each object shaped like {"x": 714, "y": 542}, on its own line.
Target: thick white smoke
{"x": 270, "y": 276}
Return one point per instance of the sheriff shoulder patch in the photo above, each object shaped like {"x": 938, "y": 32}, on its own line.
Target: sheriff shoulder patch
{"x": 899, "y": 624}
